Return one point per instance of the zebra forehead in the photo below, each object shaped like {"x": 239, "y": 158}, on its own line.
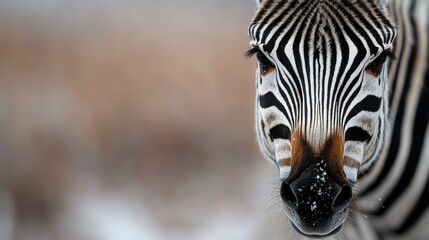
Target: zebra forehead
{"x": 370, "y": 6}
{"x": 326, "y": 18}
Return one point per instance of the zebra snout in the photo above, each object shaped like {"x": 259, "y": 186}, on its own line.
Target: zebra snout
{"x": 316, "y": 204}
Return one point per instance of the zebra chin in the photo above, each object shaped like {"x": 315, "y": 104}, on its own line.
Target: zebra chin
{"x": 318, "y": 234}
{"x": 321, "y": 228}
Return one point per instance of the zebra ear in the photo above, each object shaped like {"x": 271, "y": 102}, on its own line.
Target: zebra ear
{"x": 258, "y": 2}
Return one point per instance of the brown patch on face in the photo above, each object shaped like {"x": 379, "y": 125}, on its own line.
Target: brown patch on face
{"x": 298, "y": 148}
{"x": 303, "y": 155}
{"x": 335, "y": 152}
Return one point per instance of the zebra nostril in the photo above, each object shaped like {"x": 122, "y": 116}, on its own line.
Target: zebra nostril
{"x": 343, "y": 199}
{"x": 288, "y": 196}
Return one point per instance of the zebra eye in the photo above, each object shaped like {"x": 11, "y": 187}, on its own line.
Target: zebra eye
{"x": 376, "y": 66}
{"x": 265, "y": 64}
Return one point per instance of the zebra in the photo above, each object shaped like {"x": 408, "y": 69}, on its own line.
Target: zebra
{"x": 342, "y": 109}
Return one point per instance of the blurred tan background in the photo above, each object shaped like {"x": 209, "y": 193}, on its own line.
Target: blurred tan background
{"x": 126, "y": 120}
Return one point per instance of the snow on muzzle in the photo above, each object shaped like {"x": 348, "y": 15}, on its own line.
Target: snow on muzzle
{"x": 315, "y": 200}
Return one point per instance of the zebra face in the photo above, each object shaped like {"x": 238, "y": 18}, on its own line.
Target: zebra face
{"x": 321, "y": 100}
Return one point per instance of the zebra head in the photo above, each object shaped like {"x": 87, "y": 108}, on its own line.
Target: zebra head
{"x": 321, "y": 104}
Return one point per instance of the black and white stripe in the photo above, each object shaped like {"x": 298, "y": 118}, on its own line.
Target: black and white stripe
{"x": 400, "y": 179}
{"x": 324, "y": 57}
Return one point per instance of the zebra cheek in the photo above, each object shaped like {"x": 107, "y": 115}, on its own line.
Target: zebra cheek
{"x": 351, "y": 174}
{"x": 353, "y": 158}
{"x": 283, "y": 156}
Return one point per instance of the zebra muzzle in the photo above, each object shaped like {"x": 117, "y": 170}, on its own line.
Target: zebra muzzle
{"x": 315, "y": 202}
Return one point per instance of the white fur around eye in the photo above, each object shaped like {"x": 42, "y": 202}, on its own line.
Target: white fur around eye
{"x": 372, "y": 84}
{"x": 268, "y": 83}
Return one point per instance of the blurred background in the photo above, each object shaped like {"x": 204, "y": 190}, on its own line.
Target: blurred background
{"x": 126, "y": 120}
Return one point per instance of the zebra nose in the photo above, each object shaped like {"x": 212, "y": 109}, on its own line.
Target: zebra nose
{"x": 288, "y": 196}
{"x": 343, "y": 199}
{"x": 316, "y": 193}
